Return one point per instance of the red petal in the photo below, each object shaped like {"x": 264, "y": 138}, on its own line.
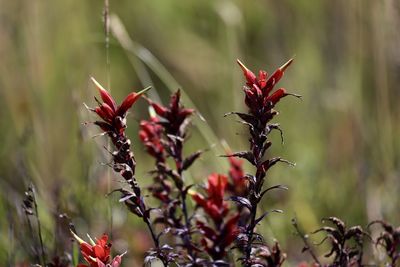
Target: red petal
{"x": 116, "y": 262}
{"x": 208, "y": 231}
{"x": 199, "y": 199}
{"x": 160, "y": 110}
{"x": 104, "y": 126}
{"x": 231, "y": 230}
{"x": 99, "y": 252}
{"x": 107, "y": 111}
{"x": 103, "y": 240}
{"x": 274, "y": 79}
{"x": 101, "y": 113}
{"x": 186, "y": 112}
{"x": 143, "y": 136}
{"x": 216, "y": 186}
{"x": 129, "y": 100}
{"x": 248, "y": 74}
{"x": 100, "y": 263}
{"x": 86, "y": 249}
{"x": 277, "y": 95}
{"x": 174, "y": 103}
{"x": 105, "y": 95}
{"x": 262, "y": 78}
{"x": 214, "y": 211}
{"x": 127, "y": 103}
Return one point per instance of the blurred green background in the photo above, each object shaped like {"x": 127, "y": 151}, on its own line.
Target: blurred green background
{"x": 343, "y": 135}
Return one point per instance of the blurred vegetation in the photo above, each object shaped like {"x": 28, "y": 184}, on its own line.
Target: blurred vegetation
{"x": 343, "y": 135}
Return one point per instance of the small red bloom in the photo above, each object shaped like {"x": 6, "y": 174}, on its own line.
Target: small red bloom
{"x": 216, "y": 242}
{"x": 97, "y": 254}
{"x": 113, "y": 116}
{"x": 258, "y": 88}
{"x": 214, "y": 204}
{"x": 174, "y": 115}
{"x": 150, "y": 134}
{"x": 238, "y": 184}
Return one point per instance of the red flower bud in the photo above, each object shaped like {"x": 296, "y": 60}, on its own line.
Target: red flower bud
{"x": 277, "y": 95}
{"x": 160, "y": 110}
{"x": 107, "y": 111}
{"x": 97, "y": 254}
{"x": 214, "y": 205}
{"x": 127, "y": 104}
{"x": 105, "y": 95}
{"x": 249, "y": 75}
{"x": 276, "y": 76}
{"x": 262, "y": 78}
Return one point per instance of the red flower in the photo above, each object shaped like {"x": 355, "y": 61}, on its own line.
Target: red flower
{"x": 216, "y": 242}
{"x": 150, "y": 133}
{"x": 113, "y": 116}
{"x": 214, "y": 204}
{"x": 258, "y": 89}
{"x": 174, "y": 115}
{"x": 238, "y": 184}
{"x": 97, "y": 254}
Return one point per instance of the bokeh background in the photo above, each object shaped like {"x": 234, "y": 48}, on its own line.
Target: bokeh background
{"x": 343, "y": 135}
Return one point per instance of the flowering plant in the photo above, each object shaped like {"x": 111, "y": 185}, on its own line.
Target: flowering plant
{"x": 201, "y": 226}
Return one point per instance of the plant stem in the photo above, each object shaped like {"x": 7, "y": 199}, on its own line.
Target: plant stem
{"x": 305, "y": 241}
{"x": 39, "y": 229}
{"x": 155, "y": 240}
{"x": 178, "y": 162}
{"x": 257, "y": 143}
{"x": 30, "y": 228}
{"x": 253, "y": 212}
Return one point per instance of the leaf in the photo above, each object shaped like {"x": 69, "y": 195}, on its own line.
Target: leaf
{"x": 259, "y": 219}
{"x": 163, "y": 232}
{"x": 242, "y": 201}
{"x": 341, "y": 226}
{"x": 187, "y": 188}
{"x": 276, "y": 126}
{"x": 272, "y": 188}
{"x": 271, "y": 162}
{"x": 246, "y": 117}
{"x": 355, "y": 231}
{"x": 187, "y": 162}
{"x": 248, "y": 155}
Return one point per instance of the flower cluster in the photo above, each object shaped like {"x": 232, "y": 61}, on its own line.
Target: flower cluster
{"x": 214, "y": 204}
{"x": 151, "y": 136}
{"x": 174, "y": 116}
{"x": 258, "y": 90}
{"x": 97, "y": 254}
{"x": 218, "y": 238}
{"x": 202, "y": 241}
{"x": 238, "y": 184}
